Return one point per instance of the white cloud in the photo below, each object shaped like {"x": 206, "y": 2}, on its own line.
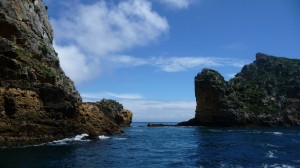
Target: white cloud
{"x": 160, "y": 111}
{"x": 125, "y": 96}
{"x": 177, "y": 64}
{"x": 179, "y": 4}
{"x": 90, "y": 38}
{"x": 92, "y": 97}
{"x": 76, "y": 64}
{"x": 102, "y": 29}
{"x": 125, "y": 60}
{"x": 148, "y": 110}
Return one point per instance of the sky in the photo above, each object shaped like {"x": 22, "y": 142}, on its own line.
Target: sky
{"x": 146, "y": 53}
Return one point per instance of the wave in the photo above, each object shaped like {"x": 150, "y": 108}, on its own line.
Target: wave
{"x": 270, "y": 154}
{"x": 69, "y": 140}
{"x": 103, "y": 137}
{"x": 271, "y": 145}
{"x": 77, "y": 138}
{"x": 120, "y": 139}
{"x": 80, "y": 137}
{"x": 276, "y": 165}
{"x": 275, "y": 133}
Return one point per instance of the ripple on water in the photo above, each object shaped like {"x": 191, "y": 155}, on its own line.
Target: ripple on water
{"x": 167, "y": 147}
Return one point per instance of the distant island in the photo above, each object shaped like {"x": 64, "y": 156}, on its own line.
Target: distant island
{"x": 38, "y": 102}
{"x": 265, "y": 93}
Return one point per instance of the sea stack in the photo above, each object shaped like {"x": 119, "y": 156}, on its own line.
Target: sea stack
{"x": 38, "y": 102}
{"x": 265, "y": 93}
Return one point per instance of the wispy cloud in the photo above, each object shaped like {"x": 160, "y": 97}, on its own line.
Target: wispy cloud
{"x": 160, "y": 111}
{"x": 93, "y": 97}
{"x": 178, "y": 4}
{"x": 76, "y": 64}
{"x": 146, "y": 110}
{"x": 90, "y": 39}
{"x": 95, "y": 31}
{"x": 125, "y": 60}
{"x": 125, "y": 95}
{"x": 177, "y": 64}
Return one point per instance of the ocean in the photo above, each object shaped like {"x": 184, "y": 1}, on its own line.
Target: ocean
{"x": 142, "y": 147}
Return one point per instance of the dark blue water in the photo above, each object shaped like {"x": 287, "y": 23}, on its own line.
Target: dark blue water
{"x": 172, "y": 147}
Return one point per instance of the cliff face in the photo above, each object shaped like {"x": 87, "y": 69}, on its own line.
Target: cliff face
{"x": 27, "y": 58}
{"x": 264, "y": 93}
{"x": 38, "y": 102}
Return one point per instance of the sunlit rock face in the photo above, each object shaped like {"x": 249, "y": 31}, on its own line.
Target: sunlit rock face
{"x": 265, "y": 93}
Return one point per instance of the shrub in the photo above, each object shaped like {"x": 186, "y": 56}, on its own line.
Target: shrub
{"x": 110, "y": 106}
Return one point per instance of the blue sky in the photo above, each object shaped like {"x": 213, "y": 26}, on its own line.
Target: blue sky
{"x": 145, "y": 53}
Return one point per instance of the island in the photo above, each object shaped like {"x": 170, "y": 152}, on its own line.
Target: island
{"x": 265, "y": 93}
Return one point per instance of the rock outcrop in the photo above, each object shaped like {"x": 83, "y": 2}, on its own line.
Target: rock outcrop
{"x": 27, "y": 58}
{"x": 38, "y": 102}
{"x": 115, "y": 111}
{"x": 265, "y": 93}
{"x": 124, "y": 118}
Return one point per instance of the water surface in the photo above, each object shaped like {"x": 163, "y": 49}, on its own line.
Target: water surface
{"x": 144, "y": 147}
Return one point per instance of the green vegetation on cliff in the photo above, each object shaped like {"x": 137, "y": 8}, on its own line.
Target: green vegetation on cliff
{"x": 266, "y": 92}
{"x": 115, "y": 110}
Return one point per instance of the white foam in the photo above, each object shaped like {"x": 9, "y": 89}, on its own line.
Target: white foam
{"x": 103, "y": 137}
{"x": 68, "y": 140}
{"x": 276, "y": 165}
{"x": 79, "y": 137}
{"x": 120, "y": 138}
{"x": 271, "y": 145}
{"x": 270, "y": 154}
{"x": 275, "y": 133}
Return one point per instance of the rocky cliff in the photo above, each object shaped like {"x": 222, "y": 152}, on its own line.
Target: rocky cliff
{"x": 265, "y": 93}
{"x": 38, "y": 102}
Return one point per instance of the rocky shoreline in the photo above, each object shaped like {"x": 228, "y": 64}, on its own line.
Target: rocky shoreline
{"x": 38, "y": 102}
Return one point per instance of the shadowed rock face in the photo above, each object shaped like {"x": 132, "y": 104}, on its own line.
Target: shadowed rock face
{"x": 211, "y": 90}
{"x": 27, "y": 58}
{"x": 264, "y": 93}
{"x": 38, "y": 102}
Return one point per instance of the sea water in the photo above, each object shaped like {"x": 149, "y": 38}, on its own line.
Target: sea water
{"x": 142, "y": 146}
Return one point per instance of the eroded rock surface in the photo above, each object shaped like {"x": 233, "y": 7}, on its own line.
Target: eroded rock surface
{"x": 38, "y": 102}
